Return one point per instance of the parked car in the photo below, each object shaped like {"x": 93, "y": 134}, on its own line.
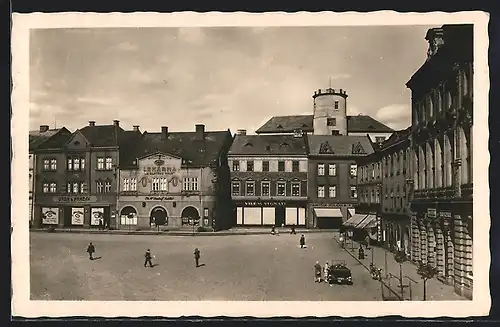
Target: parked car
{"x": 339, "y": 273}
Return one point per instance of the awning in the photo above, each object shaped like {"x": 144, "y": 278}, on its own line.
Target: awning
{"x": 351, "y": 212}
{"x": 355, "y": 219}
{"x": 328, "y": 212}
{"x": 369, "y": 222}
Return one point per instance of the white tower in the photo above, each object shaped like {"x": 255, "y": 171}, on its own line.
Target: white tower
{"x": 330, "y": 112}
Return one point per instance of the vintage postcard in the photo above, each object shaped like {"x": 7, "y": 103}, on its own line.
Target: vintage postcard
{"x": 235, "y": 164}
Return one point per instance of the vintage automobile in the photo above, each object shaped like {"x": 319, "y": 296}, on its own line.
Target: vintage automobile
{"x": 338, "y": 273}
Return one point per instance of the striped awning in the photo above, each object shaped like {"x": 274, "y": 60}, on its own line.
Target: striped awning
{"x": 328, "y": 212}
{"x": 369, "y": 222}
{"x": 355, "y": 220}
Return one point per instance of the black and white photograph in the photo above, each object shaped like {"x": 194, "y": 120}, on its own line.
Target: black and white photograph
{"x": 250, "y": 164}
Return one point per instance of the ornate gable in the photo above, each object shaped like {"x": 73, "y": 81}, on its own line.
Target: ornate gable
{"x": 358, "y": 149}
{"x": 77, "y": 142}
{"x": 326, "y": 148}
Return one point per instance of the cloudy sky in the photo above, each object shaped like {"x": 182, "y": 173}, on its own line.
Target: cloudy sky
{"x": 221, "y": 77}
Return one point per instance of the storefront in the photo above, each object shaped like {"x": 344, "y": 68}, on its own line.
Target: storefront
{"x": 75, "y": 211}
{"x": 270, "y": 213}
{"x": 165, "y": 211}
{"x": 329, "y": 215}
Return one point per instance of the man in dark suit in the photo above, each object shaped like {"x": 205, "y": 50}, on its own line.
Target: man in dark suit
{"x": 148, "y": 258}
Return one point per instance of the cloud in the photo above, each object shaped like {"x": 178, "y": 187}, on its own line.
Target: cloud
{"x": 100, "y": 101}
{"x": 396, "y": 116}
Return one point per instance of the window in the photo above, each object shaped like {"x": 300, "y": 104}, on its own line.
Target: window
{"x": 133, "y": 184}
{"x": 107, "y": 187}
{"x": 332, "y": 191}
{"x": 100, "y": 163}
{"x": 53, "y": 187}
{"x": 163, "y": 184}
{"x": 236, "y": 188}
{"x": 281, "y": 189}
{"x": 250, "y": 188}
{"x": 109, "y": 163}
{"x": 266, "y": 188}
{"x": 296, "y": 189}
{"x": 82, "y": 164}
{"x": 155, "y": 184}
{"x": 336, "y": 105}
{"x": 53, "y": 164}
{"x": 295, "y": 166}
{"x": 265, "y": 165}
{"x": 205, "y": 212}
{"x": 335, "y": 132}
{"x": 281, "y": 166}
{"x": 332, "y": 170}
{"x": 46, "y": 164}
{"x": 69, "y": 188}
{"x": 373, "y": 171}
{"x": 126, "y": 184}
{"x": 46, "y": 188}
{"x": 70, "y": 164}
{"x": 76, "y": 164}
{"x": 354, "y": 192}
{"x": 331, "y": 122}
{"x": 321, "y": 191}
{"x": 236, "y": 165}
{"x": 250, "y": 165}
{"x": 83, "y": 187}
{"x": 321, "y": 169}
{"x": 100, "y": 187}
{"x": 190, "y": 184}
{"x": 353, "y": 171}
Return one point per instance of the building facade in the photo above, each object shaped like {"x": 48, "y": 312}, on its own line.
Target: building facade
{"x": 174, "y": 180}
{"x": 75, "y": 184}
{"x": 269, "y": 179}
{"x": 442, "y": 120}
{"x": 332, "y": 186}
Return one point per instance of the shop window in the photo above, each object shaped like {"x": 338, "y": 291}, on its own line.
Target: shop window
{"x": 236, "y": 188}
{"x": 266, "y": 186}
{"x": 296, "y": 189}
{"x": 281, "y": 189}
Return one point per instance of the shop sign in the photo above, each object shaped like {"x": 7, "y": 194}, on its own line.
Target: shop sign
{"x": 327, "y": 205}
{"x": 264, "y": 203}
{"x": 71, "y": 199}
{"x": 76, "y": 216}
{"x": 50, "y": 216}
{"x": 157, "y": 170}
{"x": 97, "y": 215}
{"x": 158, "y": 198}
{"x": 431, "y": 213}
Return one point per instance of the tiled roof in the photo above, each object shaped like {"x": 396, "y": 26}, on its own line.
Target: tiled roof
{"x": 182, "y": 144}
{"x": 395, "y": 137}
{"x": 52, "y": 138}
{"x": 355, "y": 124}
{"x": 101, "y": 135}
{"x": 268, "y": 145}
{"x": 330, "y": 145}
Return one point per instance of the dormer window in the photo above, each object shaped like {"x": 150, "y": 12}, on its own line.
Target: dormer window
{"x": 284, "y": 144}
{"x": 279, "y": 127}
{"x": 249, "y": 144}
{"x": 304, "y": 126}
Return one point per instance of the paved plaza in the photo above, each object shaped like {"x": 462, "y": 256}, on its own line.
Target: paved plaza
{"x": 239, "y": 268}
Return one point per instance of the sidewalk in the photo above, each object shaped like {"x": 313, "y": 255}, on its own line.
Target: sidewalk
{"x": 436, "y": 291}
{"x": 183, "y": 232}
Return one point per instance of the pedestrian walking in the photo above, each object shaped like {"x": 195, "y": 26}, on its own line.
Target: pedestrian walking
{"x": 101, "y": 224}
{"x": 148, "y": 256}
{"x": 302, "y": 241}
{"x": 197, "y": 257}
{"x": 317, "y": 272}
{"x": 91, "y": 251}
{"x": 273, "y": 230}
{"x": 292, "y": 231}
{"x": 361, "y": 253}
{"x": 326, "y": 269}
{"x": 341, "y": 241}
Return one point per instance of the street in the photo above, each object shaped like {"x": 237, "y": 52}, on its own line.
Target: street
{"x": 234, "y": 268}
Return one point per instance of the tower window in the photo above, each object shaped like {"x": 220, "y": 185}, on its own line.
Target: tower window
{"x": 336, "y": 104}
{"x": 331, "y": 122}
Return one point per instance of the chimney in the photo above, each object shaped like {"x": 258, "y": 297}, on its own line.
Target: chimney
{"x": 44, "y": 128}
{"x": 136, "y": 128}
{"x": 200, "y": 132}
{"x": 242, "y": 132}
{"x": 91, "y": 123}
{"x": 164, "y": 132}
{"x": 116, "y": 122}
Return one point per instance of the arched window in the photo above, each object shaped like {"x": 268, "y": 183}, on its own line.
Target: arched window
{"x": 464, "y": 155}
{"x": 416, "y": 171}
{"x": 447, "y": 161}
{"x": 430, "y": 165}
{"x": 448, "y": 100}
{"x": 422, "y": 168}
{"x": 430, "y": 103}
{"x": 438, "y": 164}
{"x": 439, "y": 100}
{"x": 465, "y": 82}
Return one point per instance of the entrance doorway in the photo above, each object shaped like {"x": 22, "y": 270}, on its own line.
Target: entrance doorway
{"x": 279, "y": 216}
{"x": 190, "y": 214}
{"x": 159, "y": 216}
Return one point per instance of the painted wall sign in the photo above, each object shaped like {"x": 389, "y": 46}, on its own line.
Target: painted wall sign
{"x": 152, "y": 170}
{"x": 70, "y": 199}
{"x": 77, "y": 216}
{"x": 97, "y": 214}
{"x": 50, "y": 216}
{"x": 431, "y": 213}
{"x": 263, "y": 203}
{"x": 158, "y": 198}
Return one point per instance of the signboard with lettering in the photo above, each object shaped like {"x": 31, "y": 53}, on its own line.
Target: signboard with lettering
{"x": 158, "y": 198}
{"x": 50, "y": 216}
{"x": 264, "y": 203}
{"x": 431, "y": 213}
{"x": 77, "y": 216}
{"x": 97, "y": 215}
{"x": 71, "y": 199}
{"x": 160, "y": 172}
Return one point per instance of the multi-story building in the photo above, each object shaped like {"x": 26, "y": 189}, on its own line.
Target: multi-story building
{"x": 332, "y": 186}
{"x": 175, "y": 179}
{"x": 269, "y": 179}
{"x": 397, "y": 183}
{"x": 442, "y": 118}
{"x": 75, "y": 183}
{"x": 36, "y": 138}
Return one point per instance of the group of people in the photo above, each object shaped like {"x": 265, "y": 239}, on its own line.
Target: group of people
{"x": 274, "y": 231}
{"x": 148, "y": 256}
{"x": 321, "y": 273}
